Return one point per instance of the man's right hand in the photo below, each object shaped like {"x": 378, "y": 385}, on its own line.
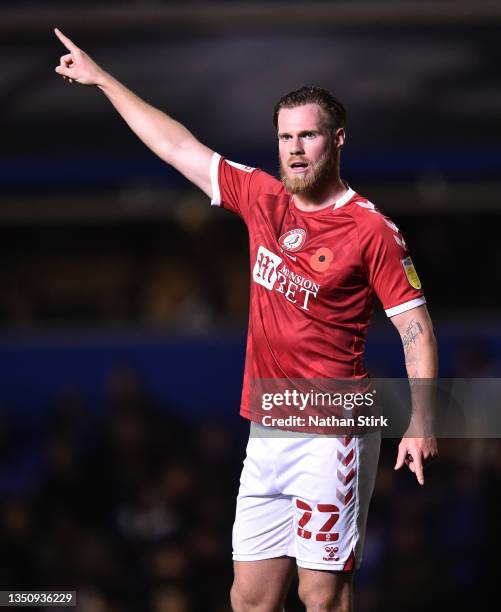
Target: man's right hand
{"x": 77, "y": 65}
{"x": 165, "y": 136}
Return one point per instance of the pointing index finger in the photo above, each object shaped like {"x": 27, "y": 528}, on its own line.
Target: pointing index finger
{"x": 418, "y": 465}
{"x": 65, "y": 40}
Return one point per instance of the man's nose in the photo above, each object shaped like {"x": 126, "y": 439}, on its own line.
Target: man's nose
{"x": 296, "y": 146}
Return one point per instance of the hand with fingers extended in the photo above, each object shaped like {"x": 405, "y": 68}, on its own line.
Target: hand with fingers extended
{"x": 77, "y": 65}
{"x": 413, "y": 451}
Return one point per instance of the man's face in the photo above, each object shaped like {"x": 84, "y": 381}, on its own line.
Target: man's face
{"x": 307, "y": 148}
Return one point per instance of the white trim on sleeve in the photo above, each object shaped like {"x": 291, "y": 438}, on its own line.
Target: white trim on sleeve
{"x": 214, "y": 167}
{"x": 391, "y": 312}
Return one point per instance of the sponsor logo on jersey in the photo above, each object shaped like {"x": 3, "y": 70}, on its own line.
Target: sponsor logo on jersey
{"x": 331, "y": 553}
{"x": 270, "y": 272}
{"x": 410, "y": 272}
{"x": 265, "y": 268}
{"x": 293, "y": 240}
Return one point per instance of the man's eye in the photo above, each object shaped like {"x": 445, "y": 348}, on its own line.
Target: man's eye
{"x": 309, "y": 135}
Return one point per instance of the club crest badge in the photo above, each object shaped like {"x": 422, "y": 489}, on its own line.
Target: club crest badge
{"x": 410, "y": 272}
{"x": 293, "y": 240}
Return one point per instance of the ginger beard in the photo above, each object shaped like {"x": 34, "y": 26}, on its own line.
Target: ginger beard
{"x": 316, "y": 180}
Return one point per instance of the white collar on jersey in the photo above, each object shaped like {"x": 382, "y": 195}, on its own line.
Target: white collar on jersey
{"x": 344, "y": 199}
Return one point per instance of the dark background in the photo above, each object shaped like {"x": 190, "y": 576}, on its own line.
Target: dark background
{"x": 124, "y": 296}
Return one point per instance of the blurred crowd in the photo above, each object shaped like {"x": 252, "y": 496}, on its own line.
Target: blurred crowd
{"x": 188, "y": 273}
{"x": 132, "y": 507}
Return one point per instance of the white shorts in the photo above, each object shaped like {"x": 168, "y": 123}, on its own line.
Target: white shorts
{"x": 305, "y": 497}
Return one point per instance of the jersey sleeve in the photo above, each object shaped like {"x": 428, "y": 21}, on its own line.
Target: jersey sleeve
{"x": 235, "y": 186}
{"x": 390, "y": 271}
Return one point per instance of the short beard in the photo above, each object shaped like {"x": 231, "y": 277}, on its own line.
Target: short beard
{"x": 316, "y": 181}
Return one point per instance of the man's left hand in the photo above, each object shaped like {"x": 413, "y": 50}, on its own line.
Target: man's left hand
{"x": 413, "y": 451}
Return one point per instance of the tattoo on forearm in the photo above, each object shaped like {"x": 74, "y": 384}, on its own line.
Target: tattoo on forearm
{"x": 412, "y": 333}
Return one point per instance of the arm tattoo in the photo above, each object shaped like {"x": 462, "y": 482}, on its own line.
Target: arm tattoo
{"x": 411, "y": 334}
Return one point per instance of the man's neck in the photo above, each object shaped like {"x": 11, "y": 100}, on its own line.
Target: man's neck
{"x": 327, "y": 197}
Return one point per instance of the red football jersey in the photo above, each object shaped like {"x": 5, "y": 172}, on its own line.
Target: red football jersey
{"x": 314, "y": 276}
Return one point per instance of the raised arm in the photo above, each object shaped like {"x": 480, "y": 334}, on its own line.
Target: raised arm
{"x": 421, "y": 360}
{"x": 165, "y": 136}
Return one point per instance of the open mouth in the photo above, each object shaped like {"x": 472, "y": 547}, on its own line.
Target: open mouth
{"x": 298, "y": 166}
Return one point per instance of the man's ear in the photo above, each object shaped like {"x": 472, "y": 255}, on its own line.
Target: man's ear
{"x": 339, "y": 138}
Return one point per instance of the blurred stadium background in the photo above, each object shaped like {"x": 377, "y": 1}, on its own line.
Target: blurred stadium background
{"x": 123, "y": 300}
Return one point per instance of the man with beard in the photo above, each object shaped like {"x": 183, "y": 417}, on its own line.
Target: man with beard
{"x": 320, "y": 254}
